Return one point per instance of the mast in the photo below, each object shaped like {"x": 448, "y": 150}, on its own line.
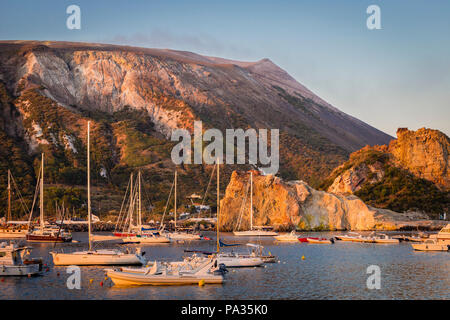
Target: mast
{"x": 41, "y": 198}
{"x": 139, "y": 204}
{"x": 89, "y": 184}
{"x": 218, "y": 205}
{"x": 251, "y": 200}
{"x": 175, "y": 200}
{"x": 131, "y": 203}
{"x": 8, "y": 218}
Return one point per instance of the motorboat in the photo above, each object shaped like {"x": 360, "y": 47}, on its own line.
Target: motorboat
{"x": 384, "y": 238}
{"x": 254, "y": 231}
{"x": 305, "y": 239}
{"x": 206, "y": 271}
{"x": 287, "y": 237}
{"x": 320, "y": 240}
{"x": 443, "y": 235}
{"x": 13, "y": 261}
{"x": 355, "y": 237}
{"x": 431, "y": 245}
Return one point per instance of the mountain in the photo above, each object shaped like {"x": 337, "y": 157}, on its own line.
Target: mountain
{"x": 136, "y": 96}
{"x": 411, "y": 173}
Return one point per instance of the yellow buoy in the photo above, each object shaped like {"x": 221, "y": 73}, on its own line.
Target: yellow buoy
{"x": 303, "y": 257}
{"x": 91, "y": 280}
{"x": 201, "y": 283}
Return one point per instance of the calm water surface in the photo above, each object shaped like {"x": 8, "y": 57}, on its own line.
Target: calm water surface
{"x": 328, "y": 272}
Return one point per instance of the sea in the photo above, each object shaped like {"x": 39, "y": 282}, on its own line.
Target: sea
{"x": 343, "y": 270}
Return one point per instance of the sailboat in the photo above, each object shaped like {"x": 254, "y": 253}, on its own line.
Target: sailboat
{"x": 96, "y": 257}
{"x": 232, "y": 259}
{"x": 12, "y": 229}
{"x": 44, "y": 233}
{"x": 177, "y": 235}
{"x": 141, "y": 237}
{"x": 253, "y": 231}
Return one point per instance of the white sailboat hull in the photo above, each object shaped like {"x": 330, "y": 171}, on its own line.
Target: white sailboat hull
{"x": 237, "y": 261}
{"x": 257, "y": 233}
{"x": 12, "y": 234}
{"x": 91, "y": 258}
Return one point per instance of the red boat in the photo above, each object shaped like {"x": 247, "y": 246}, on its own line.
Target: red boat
{"x": 48, "y": 238}
{"x": 306, "y": 239}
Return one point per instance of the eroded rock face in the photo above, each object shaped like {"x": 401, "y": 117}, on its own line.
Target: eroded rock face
{"x": 425, "y": 153}
{"x": 287, "y": 205}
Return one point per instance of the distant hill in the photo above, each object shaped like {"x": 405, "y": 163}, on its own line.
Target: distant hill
{"x": 135, "y": 97}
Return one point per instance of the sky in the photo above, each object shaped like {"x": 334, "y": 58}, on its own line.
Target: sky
{"x": 397, "y": 76}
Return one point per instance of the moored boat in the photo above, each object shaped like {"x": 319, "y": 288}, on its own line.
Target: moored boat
{"x": 320, "y": 240}
{"x": 14, "y": 263}
{"x": 287, "y": 237}
{"x": 384, "y": 238}
{"x": 254, "y": 231}
{"x": 45, "y": 233}
{"x": 91, "y": 256}
{"x": 431, "y": 245}
{"x": 207, "y": 271}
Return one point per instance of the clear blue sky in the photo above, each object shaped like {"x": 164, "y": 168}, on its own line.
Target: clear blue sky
{"x": 395, "y": 77}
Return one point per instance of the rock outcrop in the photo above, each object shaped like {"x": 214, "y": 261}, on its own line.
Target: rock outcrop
{"x": 294, "y": 204}
{"x": 425, "y": 153}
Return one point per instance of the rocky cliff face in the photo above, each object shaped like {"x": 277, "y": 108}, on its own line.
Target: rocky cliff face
{"x": 287, "y": 205}
{"x": 408, "y": 175}
{"x": 425, "y": 153}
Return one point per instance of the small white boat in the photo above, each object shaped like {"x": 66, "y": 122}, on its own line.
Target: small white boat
{"x": 287, "y": 237}
{"x": 236, "y": 260}
{"x": 384, "y": 238}
{"x": 206, "y": 271}
{"x": 176, "y": 235}
{"x": 12, "y": 261}
{"x": 152, "y": 238}
{"x": 431, "y": 245}
{"x": 355, "y": 237}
